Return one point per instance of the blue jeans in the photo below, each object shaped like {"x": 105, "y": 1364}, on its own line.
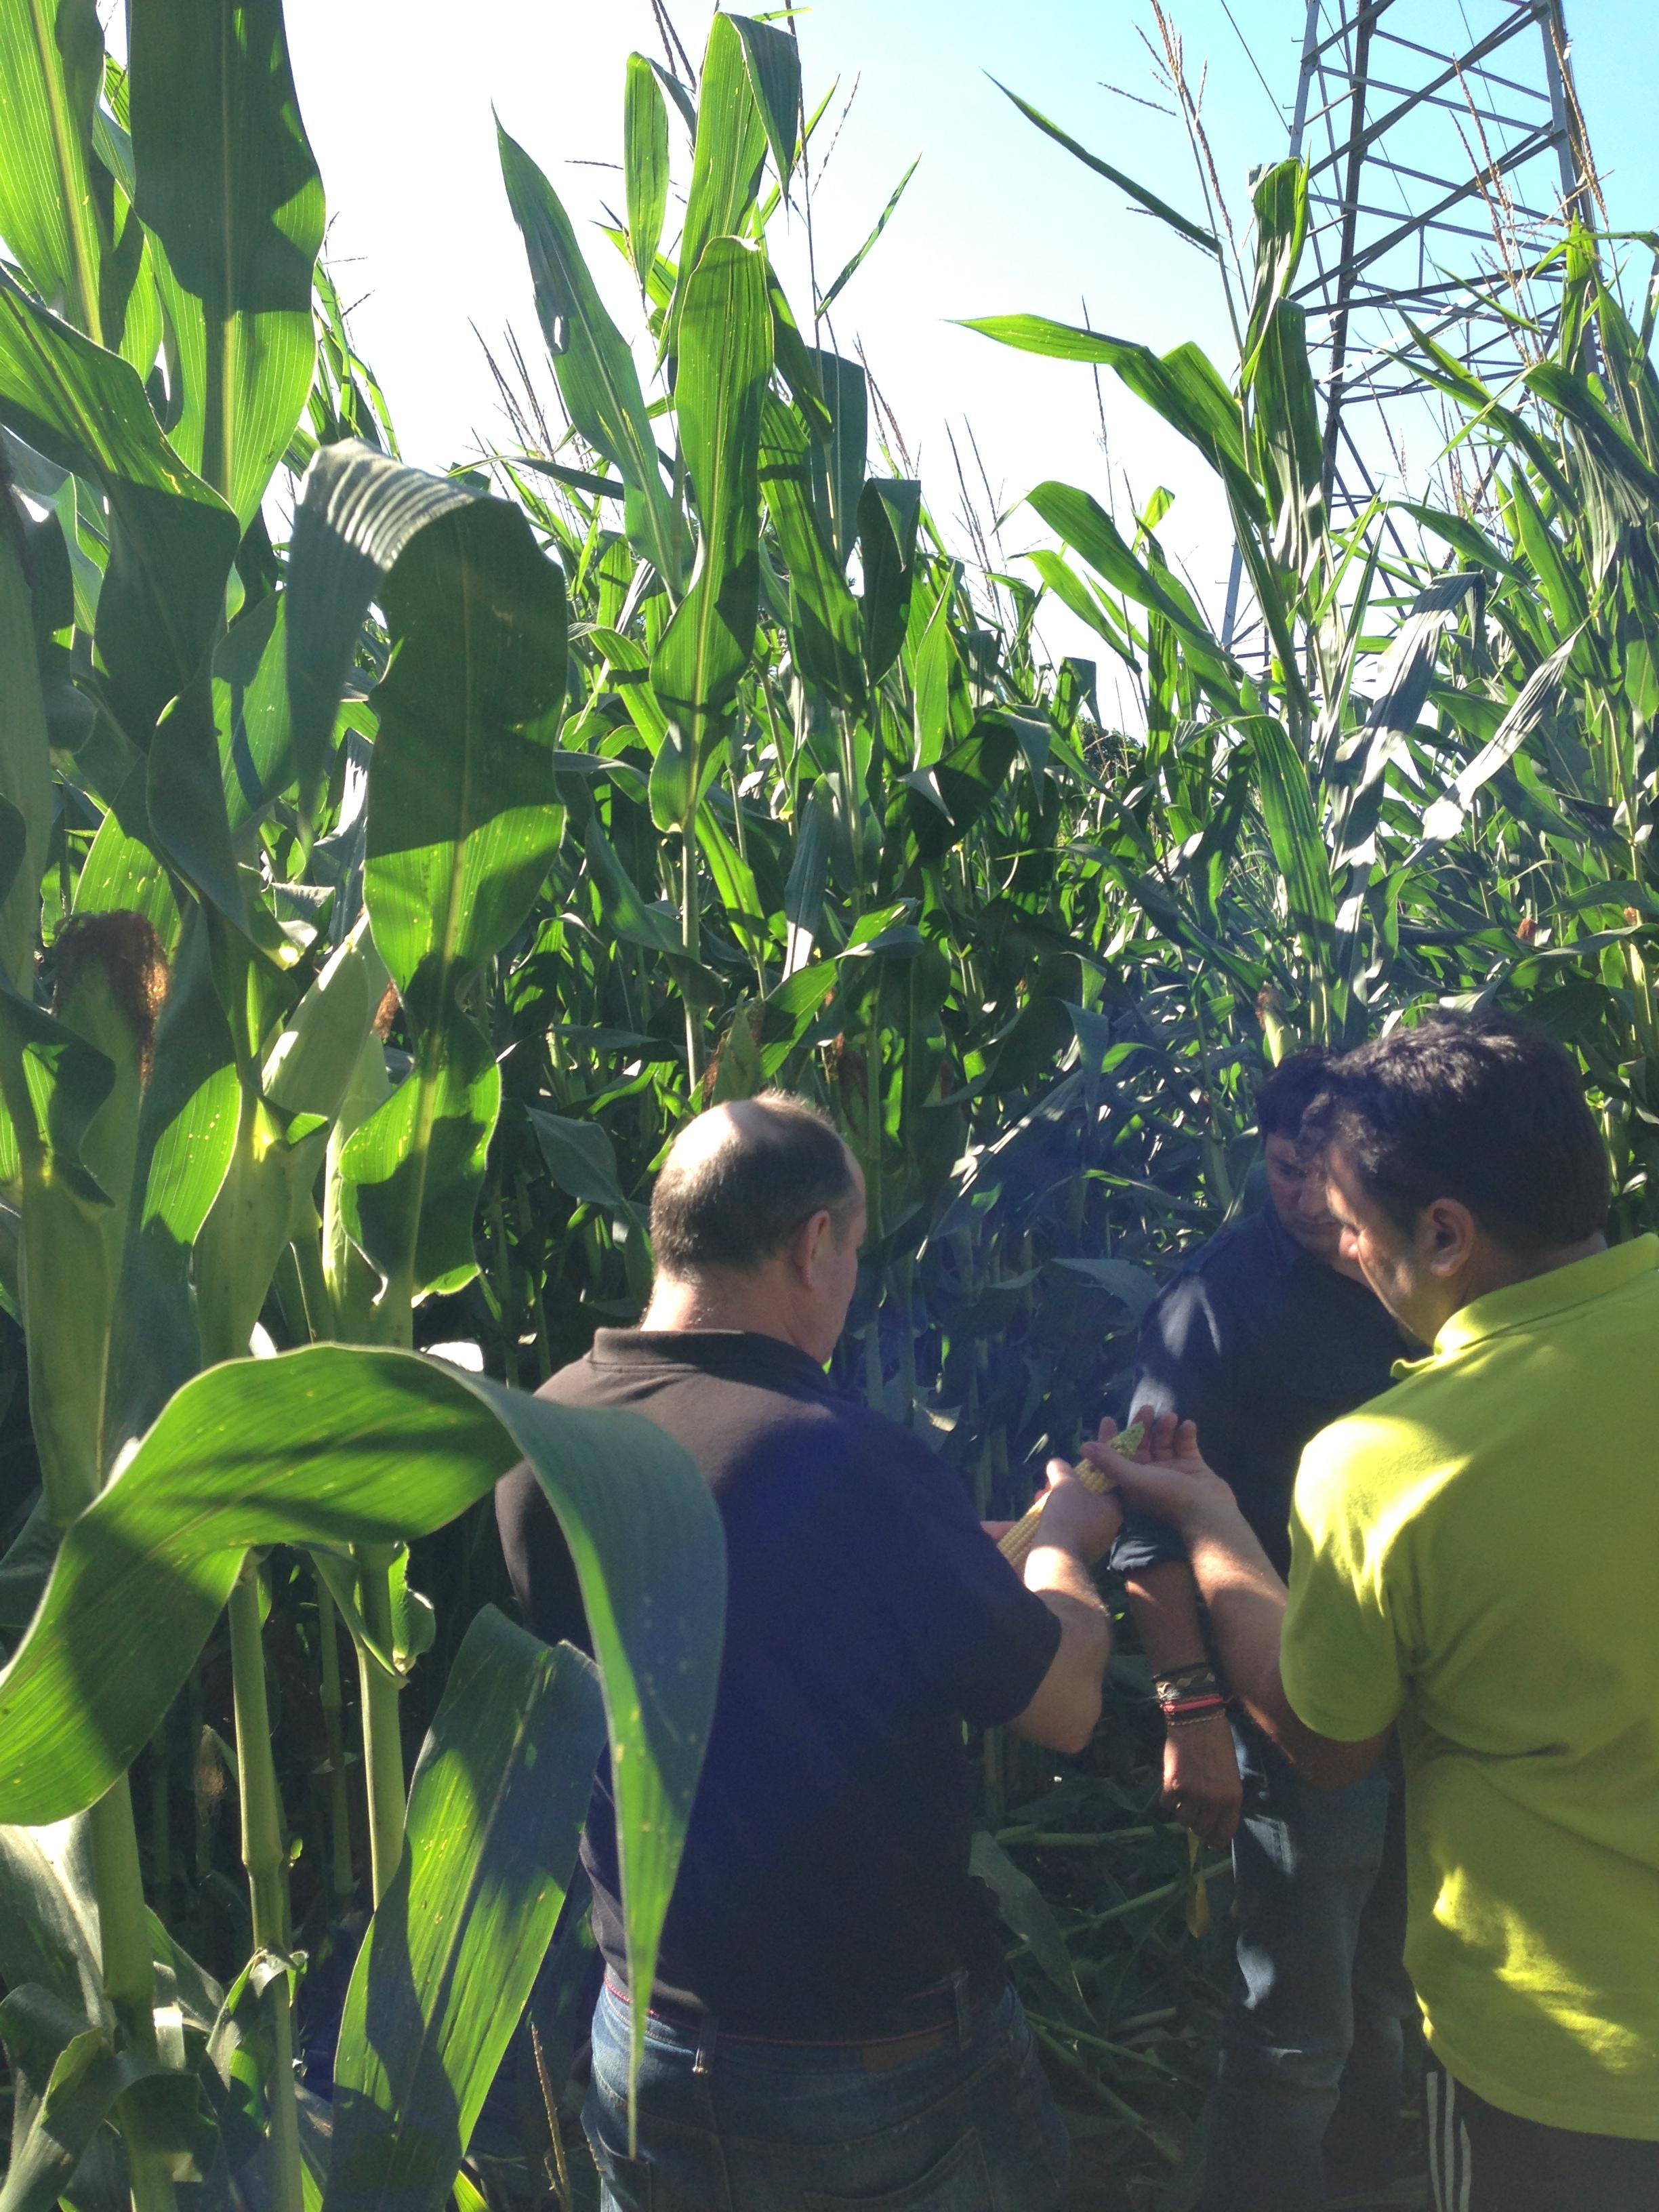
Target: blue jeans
{"x": 968, "y": 2126}
{"x": 1310, "y": 2075}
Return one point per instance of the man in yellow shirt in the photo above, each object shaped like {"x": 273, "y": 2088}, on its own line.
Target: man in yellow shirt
{"x": 1475, "y": 1560}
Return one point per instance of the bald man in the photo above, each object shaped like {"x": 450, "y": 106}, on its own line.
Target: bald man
{"x": 832, "y": 2020}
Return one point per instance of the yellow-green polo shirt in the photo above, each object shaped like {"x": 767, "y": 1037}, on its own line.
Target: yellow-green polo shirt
{"x": 1477, "y": 1556}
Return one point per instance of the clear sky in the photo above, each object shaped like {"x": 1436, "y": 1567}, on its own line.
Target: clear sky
{"x": 398, "y": 94}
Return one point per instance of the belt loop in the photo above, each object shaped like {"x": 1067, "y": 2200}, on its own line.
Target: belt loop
{"x": 959, "y": 1998}
{"x": 708, "y": 2030}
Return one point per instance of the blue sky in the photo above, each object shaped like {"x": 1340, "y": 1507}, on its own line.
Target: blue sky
{"x": 397, "y": 95}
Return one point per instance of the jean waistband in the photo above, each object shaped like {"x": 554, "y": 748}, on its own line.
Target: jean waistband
{"x": 926, "y": 2017}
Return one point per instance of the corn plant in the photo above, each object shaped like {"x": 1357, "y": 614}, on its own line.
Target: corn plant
{"x": 166, "y": 686}
{"x": 374, "y": 907}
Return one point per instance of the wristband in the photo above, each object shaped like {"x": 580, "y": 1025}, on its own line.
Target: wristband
{"x": 1195, "y": 1681}
{"x": 1191, "y": 1711}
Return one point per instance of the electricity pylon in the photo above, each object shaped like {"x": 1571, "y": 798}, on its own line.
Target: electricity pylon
{"x": 1445, "y": 148}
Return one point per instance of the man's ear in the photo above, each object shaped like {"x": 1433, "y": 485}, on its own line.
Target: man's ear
{"x": 1451, "y": 1235}
{"x": 807, "y": 1247}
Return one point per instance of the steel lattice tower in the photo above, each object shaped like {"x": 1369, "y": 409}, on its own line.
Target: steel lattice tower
{"x": 1444, "y": 146}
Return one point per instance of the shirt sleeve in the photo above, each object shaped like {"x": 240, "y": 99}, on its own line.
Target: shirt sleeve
{"x": 1340, "y": 1656}
{"x": 977, "y": 1638}
{"x": 1184, "y": 1366}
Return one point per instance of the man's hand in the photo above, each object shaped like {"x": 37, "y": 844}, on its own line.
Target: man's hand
{"x": 1167, "y": 1479}
{"x": 1202, "y": 1788}
{"x": 1077, "y": 1519}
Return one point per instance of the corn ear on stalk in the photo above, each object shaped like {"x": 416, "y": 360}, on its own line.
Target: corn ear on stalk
{"x": 1020, "y": 1538}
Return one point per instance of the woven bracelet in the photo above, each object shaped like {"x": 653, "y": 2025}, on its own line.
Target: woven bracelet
{"x": 1190, "y": 1710}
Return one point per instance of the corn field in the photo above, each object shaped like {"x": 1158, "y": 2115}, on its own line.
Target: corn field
{"x": 381, "y": 893}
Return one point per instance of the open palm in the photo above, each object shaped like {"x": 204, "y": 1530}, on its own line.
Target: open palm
{"x": 1168, "y": 1477}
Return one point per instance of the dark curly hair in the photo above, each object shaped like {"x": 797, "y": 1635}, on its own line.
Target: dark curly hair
{"x": 1482, "y": 1108}
{"x": 1285, "y": 1093}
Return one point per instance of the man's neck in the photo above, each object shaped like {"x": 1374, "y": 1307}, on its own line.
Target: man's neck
{"x": 1495, "y": 1267}
{"x": 748, "y": 1304}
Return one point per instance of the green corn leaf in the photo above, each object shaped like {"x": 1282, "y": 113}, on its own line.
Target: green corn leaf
{"x": 842, "y": 463}
{"x": 52, "y": 69}
{"x": 227, "y": 184}
{"x": 1293, "y": 830}
{"x": 462, "y": 825}
{"x": 330, "y": 1447}
{"x": 620, "y": 904}
{"x": 1030, "y": 1916}
{"x": 358, "y": 511}
{"x": 809, "y": 877}
{"x": 889, "y": 509}
{"x": 1536, "y": 699}
{"x": 186, "y": 1135}
{"x": 1289, "y": 446}
{"x": 773, "y": 60}
{"x": 1086, "y": 526}
{"x": 462, "y": 819}
{"x": 825, "y": 634}
{"x": 725, "y": 161}
{"x": 1183, "y": 386}
{"x": 645, "y": 163}
{"x": 412, "y": 1173}
{"x": 1067, "y": 586}
{"x": 851, "y": 268}
{"x": 725, "y": 359}
{"x": 1139, "y": 193}
{"x": 495, "y": 1812}
{"x": 49, "y": 1915}
{"x": 598, "y": 381}
{"x": 65, "y": 2079}
{"x": 54, "y": 1084}
{"x": 581, "y": 1160}
{"x": 250, "y": 710}
{"x": 1280, "y": 200}
{"x": 734, "y": 885}
{"x": 1440, "y": 367}
{"x": 308, "y": 1069}
{"x": 123, "y": 870}
{"x": 171, "y": 537}
{"x": 25, "y": 767}
{"x": 1604, "y": 436}
{"x": 1465, "y": 538}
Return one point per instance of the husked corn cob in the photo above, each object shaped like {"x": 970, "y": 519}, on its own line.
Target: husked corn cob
{"x": 1020, "y": 1538}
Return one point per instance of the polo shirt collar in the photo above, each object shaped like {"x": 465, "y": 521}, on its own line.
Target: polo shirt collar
{"x": 1522, "y": 1304}
{"x": 735, "y": 1355}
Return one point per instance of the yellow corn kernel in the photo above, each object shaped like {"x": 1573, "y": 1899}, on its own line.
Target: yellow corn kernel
{"x": 1019, "y": 1538}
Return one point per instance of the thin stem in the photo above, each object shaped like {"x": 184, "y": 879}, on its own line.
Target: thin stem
{"x": 123, "y": 1932}
{"x": 691, "y": 939}
{"x": 265, "y": 1856}
{"x": 383, "y": 1743}
{"x": 331, "y": 1699}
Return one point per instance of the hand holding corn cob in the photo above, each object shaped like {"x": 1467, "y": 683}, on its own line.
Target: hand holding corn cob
{"x": 1018, "y": 1539}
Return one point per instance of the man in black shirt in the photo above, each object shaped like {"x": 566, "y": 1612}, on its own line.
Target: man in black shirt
{"x": 1265, "y": 1338}
{"x": 831, "y": 2018}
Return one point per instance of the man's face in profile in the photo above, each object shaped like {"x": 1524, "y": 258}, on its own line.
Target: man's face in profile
{"x": 1298, "y": 1199}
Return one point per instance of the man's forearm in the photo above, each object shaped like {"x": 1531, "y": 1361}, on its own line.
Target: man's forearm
{"x": 1245, "y": 1600}
{"x": 1163, "y": 1601}
{"x": 1066, "y": 1707}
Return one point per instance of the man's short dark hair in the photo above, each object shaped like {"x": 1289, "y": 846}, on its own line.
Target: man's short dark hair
{"x": 1285, "y": 1093}
{"x": 728, "y": 1210}
{"x": 1484, "y": 1108}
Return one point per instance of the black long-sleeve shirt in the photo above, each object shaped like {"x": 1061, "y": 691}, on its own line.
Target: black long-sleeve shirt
{"x": 1263, "y": 1346}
